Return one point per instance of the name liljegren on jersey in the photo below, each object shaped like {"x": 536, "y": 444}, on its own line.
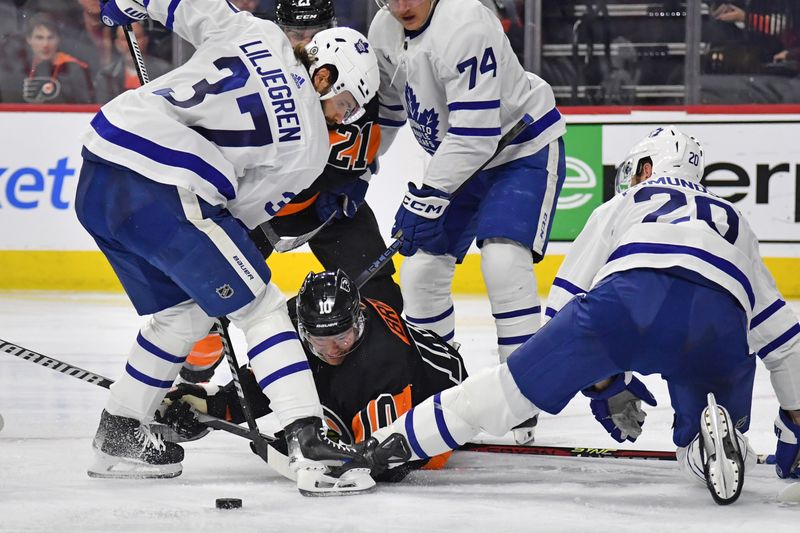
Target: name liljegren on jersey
{"x": 278, "y": 90}
{"x": 424, "y": 124}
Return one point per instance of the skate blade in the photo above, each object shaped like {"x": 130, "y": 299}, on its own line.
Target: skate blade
{"x": 109, "y": 467}
{"x": 724, "y": 469}
{"x": 315, "y": 483}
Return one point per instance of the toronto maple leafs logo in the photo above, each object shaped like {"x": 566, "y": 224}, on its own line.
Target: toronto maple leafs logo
{"x": 424, "y": 124}
{"x": 362, "y": 47}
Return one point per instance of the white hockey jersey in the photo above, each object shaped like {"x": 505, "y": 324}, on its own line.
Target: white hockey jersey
{"x": 458, "y": 83}
{"x": 239, "y": 124}
{"x": 669, "y": 222}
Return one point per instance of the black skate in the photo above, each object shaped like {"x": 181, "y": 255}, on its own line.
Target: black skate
{"x": 323, "y": 467}
{"x": 722, "y": 457}
{"x": 126, "y": 448}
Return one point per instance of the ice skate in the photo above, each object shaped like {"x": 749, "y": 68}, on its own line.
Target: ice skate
{"x": 525, "y": 432}
{"x": 722, "y": 457}
{"x": 126, "y": 448}
{"x": 323, "y": 467}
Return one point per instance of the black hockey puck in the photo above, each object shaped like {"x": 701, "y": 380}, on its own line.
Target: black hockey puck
{"x": 229, "y": 503}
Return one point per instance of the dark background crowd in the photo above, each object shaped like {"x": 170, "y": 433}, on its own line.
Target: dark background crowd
{"x": 593, "y": 53}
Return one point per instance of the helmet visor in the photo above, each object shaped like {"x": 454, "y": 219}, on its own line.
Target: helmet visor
{"x": 624, "y": 177}
{"x": 392, "y": 5}
{"x": 342, "y": 107}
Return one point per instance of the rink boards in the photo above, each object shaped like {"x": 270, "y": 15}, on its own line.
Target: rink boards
{"x": 750, "y": 159}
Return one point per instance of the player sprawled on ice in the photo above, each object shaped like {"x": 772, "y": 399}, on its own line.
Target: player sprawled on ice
{"x": 666, "y": 278}
{"x": 174, "y": 173}
{"x": 448, "y": 70}
{"x": 352, "y": 239}
{"x": 369, "y": 366}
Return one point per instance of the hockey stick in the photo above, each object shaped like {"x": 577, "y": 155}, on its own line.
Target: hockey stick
{"x": 566, "y": 451}
{"x": 285, "y": 244}
{"x": 136, "y": 54}
{"x": 387, "y": 255}
{"x": 260, "y": 443}
{"x": 102, "y": 381}
{"x": 273, "y": 457}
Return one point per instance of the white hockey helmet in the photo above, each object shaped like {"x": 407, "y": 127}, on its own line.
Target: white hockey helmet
{"x": 671, "y": 153}
{"x": 355, "y": 62}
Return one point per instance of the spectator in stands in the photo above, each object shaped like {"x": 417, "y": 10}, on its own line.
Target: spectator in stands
{"x": 120, "y": 75}
{"x": 47, "y": 75}
{"x": 770, "y": 19}
{"x": 97, "y": 36}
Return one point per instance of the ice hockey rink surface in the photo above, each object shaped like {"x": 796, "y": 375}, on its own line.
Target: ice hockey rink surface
{"x": 50, "y": 419}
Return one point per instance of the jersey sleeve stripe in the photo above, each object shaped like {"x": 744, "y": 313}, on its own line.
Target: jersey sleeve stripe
{"x": 158, "y": 352}
{"x": 536, "y": 129}
{"x": 162, "y": 154}
{"x": 412, "y": 438}
{"x": 430, "y": 320}
{"x": 779, "y": 341}
{"x": 661, "y": 248}
{"x": 264, "y": 345}
{"x": 475, "y": 132}
{"x": 550, "y": 312}
{"x": 449, "y": 336}
{"x": 567, "y": 286}
{"x": 233, "y": 7}
{"x": 391, "y": 107}
{"x": 147, "y": 380}
{"x": 518, "y": 312}
{"x": 391, "y": 123}
{"x": 171, "y": 13}
{"x": 766, "y": 313}
{"x": 283, "y": 372}
{"x": 481, "y": 104}
{"x": 507, "y": 341}
{"x": 441, "y": 425}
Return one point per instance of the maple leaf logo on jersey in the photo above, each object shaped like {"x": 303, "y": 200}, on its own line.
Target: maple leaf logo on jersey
{"x": 424, "y": 124}
{"x": 362, "y": 47}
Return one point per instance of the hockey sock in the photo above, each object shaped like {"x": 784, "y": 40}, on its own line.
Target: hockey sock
{"x": 507, "y": 269}
{"x": 156, "y": 358}
{"x": 426, "y": 282}
{"x": 277, "y": 358}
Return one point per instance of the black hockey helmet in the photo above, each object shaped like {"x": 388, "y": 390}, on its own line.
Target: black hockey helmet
{"x": 305, "y": 13}
{"x": 328, "y": 305}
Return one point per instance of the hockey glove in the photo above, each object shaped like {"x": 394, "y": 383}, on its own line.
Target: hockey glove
{"x": 122, "y": 12}
{"x": 206, "y": 398}
{"x": 421, "y": 220}
{"x": 787, "y": 454}
{"x": 344, "y": 200}
{"x": 618, "y": 407}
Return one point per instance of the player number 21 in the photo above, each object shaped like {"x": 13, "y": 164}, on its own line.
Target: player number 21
{"x": 488, "y": 64}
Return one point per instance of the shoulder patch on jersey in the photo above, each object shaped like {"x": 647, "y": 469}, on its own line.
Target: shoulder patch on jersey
{"x": 298, "y": 80}
{"x": 391, "y": 318}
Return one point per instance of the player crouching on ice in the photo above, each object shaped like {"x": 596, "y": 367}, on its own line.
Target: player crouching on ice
{"x": 369, "y": 366}
{"x": 666, "y": 278}
{"x": 174, "y": 173}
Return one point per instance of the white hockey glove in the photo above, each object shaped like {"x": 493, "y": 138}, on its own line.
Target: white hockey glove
{"x": 618, "y": 407}
{"x": 122, "y": 12}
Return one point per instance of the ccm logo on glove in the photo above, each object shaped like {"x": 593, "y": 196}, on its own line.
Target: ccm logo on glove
{"x": 430, "y": 207}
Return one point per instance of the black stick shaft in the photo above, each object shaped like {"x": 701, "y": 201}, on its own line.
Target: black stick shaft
{"x": 102, "y": 381}
{"x": 260, "y": 444}
{"x": 136, "y": 54}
